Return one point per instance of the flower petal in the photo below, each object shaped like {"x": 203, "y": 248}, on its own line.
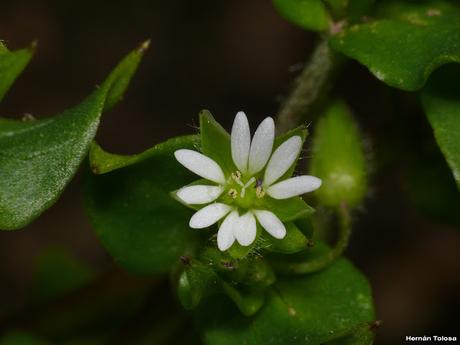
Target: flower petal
{"x": 294, "y": 186}
{"x": 282, "y": 159}
{"x": 209, "y": 215}
{"x": 261, "y": 145}
{"x": 200, "y": 165}
{"x": 226, "y": 234}
{"x": 199, "y": 194}
{"x": 246, "y": 229}
{"x": 240, "y": 141}
{"x": 271, "y": 223}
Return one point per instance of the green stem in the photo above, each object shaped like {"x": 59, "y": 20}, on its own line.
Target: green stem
{"x": 310, "y": 88}
{"x": 322, "y": 262}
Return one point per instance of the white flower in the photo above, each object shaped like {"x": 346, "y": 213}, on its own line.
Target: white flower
{"x": 235, "y": 200}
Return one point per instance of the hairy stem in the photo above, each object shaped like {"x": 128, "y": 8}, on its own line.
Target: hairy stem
{"x": 325, "y": 260}
{"x": 310, "y": 88}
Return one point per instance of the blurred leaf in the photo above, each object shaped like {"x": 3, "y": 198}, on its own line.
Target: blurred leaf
{"x": 131, "y": 209}
{"x": 20, "y": 338}
{"x": 441, "y": 102}
{"x": 309, "y": 310}
{"x": 196, "y": 282}
{"x": 338, "y": 158}
{"x": 431, "y": 32}
{"x": 11, "y": 65}
{"x": 39, "y": 158}
{"x": 57, "y": 273}
{"x": 350, "y": 8}
{"x": 308, "y": 14}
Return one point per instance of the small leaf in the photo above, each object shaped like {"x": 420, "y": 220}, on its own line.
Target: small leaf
{"x": 131, "y": 209}
{"x": 338, "y": 158}
{"x": 39, "y": 158}
{"x": 441, "y": 102}
{"x": 303, "y": 311}
{"x": 11, "y": 65}
{"x": 248, "y": 300}
{"x": 431, "y": 31}
{"x": 308, "y": 14}
{"x": 215, "y": 142}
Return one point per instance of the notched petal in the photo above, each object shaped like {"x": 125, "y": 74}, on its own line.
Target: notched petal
{"x": 294, "y": 186}
{"x": 261, "y": 145}
{"x": 201, "y": 165}
{"x": 199, "y": 194}
{"x": 246, "y": 229}
{"x": 271, "y": 223}
{"x": 282, "y": 159}
{"x": 209, "y": 215}
{"x": 241, "y": 141}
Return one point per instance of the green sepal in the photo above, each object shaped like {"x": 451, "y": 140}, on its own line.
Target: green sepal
{"x": 295, "y": 241}
{"x": 215, "y": 142}
{"x": 300, "y": 131}
{"x": 286, "y": 210}
{"x": 338, "y": 158}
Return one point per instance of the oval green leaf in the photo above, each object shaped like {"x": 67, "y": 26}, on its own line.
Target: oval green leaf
{"x": 131, "y": 209}
{"x": 312, "y": 310}
{"x": 308, "y": 14}
{"x": 39, "y": 158}
{"x": 431, "y": 32}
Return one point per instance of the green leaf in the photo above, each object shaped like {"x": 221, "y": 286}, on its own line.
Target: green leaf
{"x": 308, "y": 14}
{"x": 309, "y": 310}
{"x": 338, "y": 158}
{"x": 131, "y": 209}
{"x": 11, "y": 65}
{"x": 215, "y": 142}
{"x": 57, "y": 273}
{"x": 431, "y": 32}
{"x": 441, "y": 102}
{"x": 39, "y": 158}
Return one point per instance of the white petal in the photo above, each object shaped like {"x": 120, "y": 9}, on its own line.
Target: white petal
{"x": 271, "y": 223}
{"x": 294, "y": 186}
{"x": 246, "y": 229}
{"x": 261, "y": 145}
{"x": 209, "y": 215}
{"x": 200, "y": 165}
{"x": 282, "y": 159}
{"x": 226, "y": 235}
{"x": 240, "y": 141}
{"x": 199, "y": 194}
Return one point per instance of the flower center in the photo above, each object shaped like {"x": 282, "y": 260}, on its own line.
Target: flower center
{"x": 244, "y": 190}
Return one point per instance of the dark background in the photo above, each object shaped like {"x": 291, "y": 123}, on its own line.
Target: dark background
{"x": 225, "y": 56}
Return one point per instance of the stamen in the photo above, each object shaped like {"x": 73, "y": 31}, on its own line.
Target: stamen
{"x": 236, "y": 176}
{"x": 260, "y": 193}
{"x": 232, "y": 193}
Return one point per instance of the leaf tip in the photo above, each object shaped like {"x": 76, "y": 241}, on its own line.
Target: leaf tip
{"x": 144, "y": 46}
